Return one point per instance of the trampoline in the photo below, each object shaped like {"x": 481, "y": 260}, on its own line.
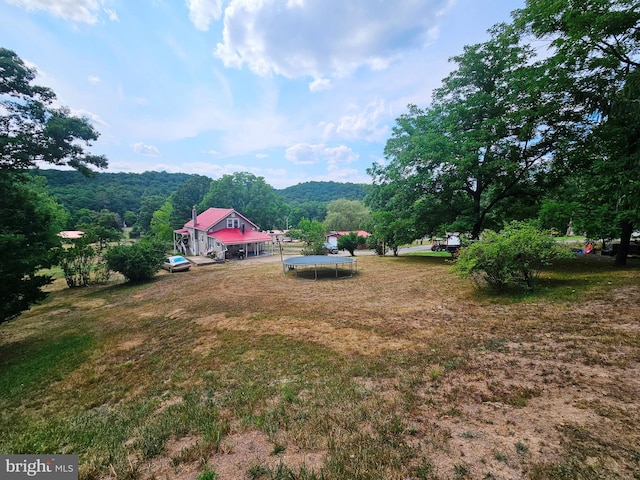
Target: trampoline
{"x": 314, "y": 261}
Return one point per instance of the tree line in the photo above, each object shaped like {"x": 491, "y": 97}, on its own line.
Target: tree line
{"x": 134, "y": 198}
{"x": 540, "y": 122}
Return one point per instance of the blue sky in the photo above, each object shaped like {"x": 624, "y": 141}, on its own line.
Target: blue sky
{"x": 289, "y": 90}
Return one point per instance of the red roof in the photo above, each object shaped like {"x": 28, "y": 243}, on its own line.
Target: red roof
{"x": 361, "y": 233}
{"x": 234, "y": 235}
{"x": 209, "y": 217}
{"x": 71, "y": 234}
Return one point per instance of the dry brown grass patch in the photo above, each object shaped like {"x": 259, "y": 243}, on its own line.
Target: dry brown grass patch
{"x": 401, "y": 366}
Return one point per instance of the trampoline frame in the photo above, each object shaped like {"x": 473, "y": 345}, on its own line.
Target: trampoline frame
{"x": 293, "y": 263}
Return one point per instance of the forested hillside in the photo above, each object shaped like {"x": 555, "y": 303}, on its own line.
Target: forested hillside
{"x": 122, "y": 192}
{"x": 323, "y": 192}
{"x": 116, "y": 192}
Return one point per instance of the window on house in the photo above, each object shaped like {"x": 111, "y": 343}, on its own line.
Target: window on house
{"x": 233, "y": 223}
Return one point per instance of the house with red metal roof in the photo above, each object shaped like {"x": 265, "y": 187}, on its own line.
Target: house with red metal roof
{"x": 220, "y": 233}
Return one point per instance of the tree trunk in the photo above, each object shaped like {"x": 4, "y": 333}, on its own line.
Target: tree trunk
{"x": 477, "y": 228}
{"x": 625, "y": 239}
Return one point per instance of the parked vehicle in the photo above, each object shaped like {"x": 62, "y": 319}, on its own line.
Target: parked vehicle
{"x": 176, "y": 263}
{"x": 438, "y": 245}
{"x": 330, "y": 248}
{"x": 451, "y": 244}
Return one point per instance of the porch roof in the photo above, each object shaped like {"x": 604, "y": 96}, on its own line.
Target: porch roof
{"x": 231, "y": 236}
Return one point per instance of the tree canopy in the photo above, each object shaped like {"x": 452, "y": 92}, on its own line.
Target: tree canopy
{"x": 484, "y": 140}
{"x": 597, "y": 44}
{"x": 539, "y": 121}
{"x": 249, "y": 195}
{"x": 29, "y": 223}
{"x": 186, "y": 196}
{"x": 343, "y": 214}
{"x": 323, "y": 192}
{"x": 32, "y": 130}
{"x": 117, "y": 192}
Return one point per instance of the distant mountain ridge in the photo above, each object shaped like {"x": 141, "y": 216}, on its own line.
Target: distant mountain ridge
{"x": 323, "y": 192}
{"x": 122, "y": 191}
{"x": 117, "y": 192}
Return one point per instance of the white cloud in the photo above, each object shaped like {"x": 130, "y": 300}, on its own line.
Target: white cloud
{"x": 339, "y": 156}
{"x": 320, "y": 84}
{"x": 202, "y": 12}
{"x": 304, "y": 154}
{"x": 93, "y": 79}
{"x": 85, "y": 11}
{"x": 311, "y": 154}
{"x": 321, "y": 38}
{"x": 146, "y": 150}
{"x": 91, "y": 116}
{"x": 261, "y": 155}
{"x": 113, "y": 16}
{"x": 362, "y": 124}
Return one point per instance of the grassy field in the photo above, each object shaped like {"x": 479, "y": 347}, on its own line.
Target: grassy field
{"x": 402, "y": 372}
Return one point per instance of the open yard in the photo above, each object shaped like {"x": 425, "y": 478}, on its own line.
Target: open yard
{"x": 402, "y": 372}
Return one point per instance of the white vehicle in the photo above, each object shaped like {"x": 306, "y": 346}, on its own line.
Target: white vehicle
{"x": 451, "y": 244}
{"x": 176, "y": 263}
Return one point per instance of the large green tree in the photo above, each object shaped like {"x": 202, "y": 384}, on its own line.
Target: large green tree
{"x": 161, "y": 222}
{"x": 29, "y": 223}
{"x": 312, "y": 233}
{"x": 597, "y": 44}
{"x": 186, "y": 196}
{"x": 392, "y": 224}
{"x": 32, "y": 130}
{"x": 249, "y": 195}
{"x": 343, "y": 214}
{"x": 483, "y": 142}
{"x": 148, "y": 206}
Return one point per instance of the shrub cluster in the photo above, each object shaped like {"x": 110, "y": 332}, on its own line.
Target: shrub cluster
{"x": 513, "y": 257}
{"x": 136, "y": 262}
{"x": 83, "y": 264}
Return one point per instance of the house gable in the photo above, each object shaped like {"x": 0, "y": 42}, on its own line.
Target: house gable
{"x": 214, "y": 219}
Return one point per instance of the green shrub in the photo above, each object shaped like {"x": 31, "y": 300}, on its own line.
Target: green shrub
{"x": 76, "y": 263}
{"x": 83, "y": 265}
{"x": 374, "y": 244}
{"x": 315, "y": 248}
{"x": 136, "y": 262}
{"x": 350, "y": 242}
{"x": 512, "y": 258}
